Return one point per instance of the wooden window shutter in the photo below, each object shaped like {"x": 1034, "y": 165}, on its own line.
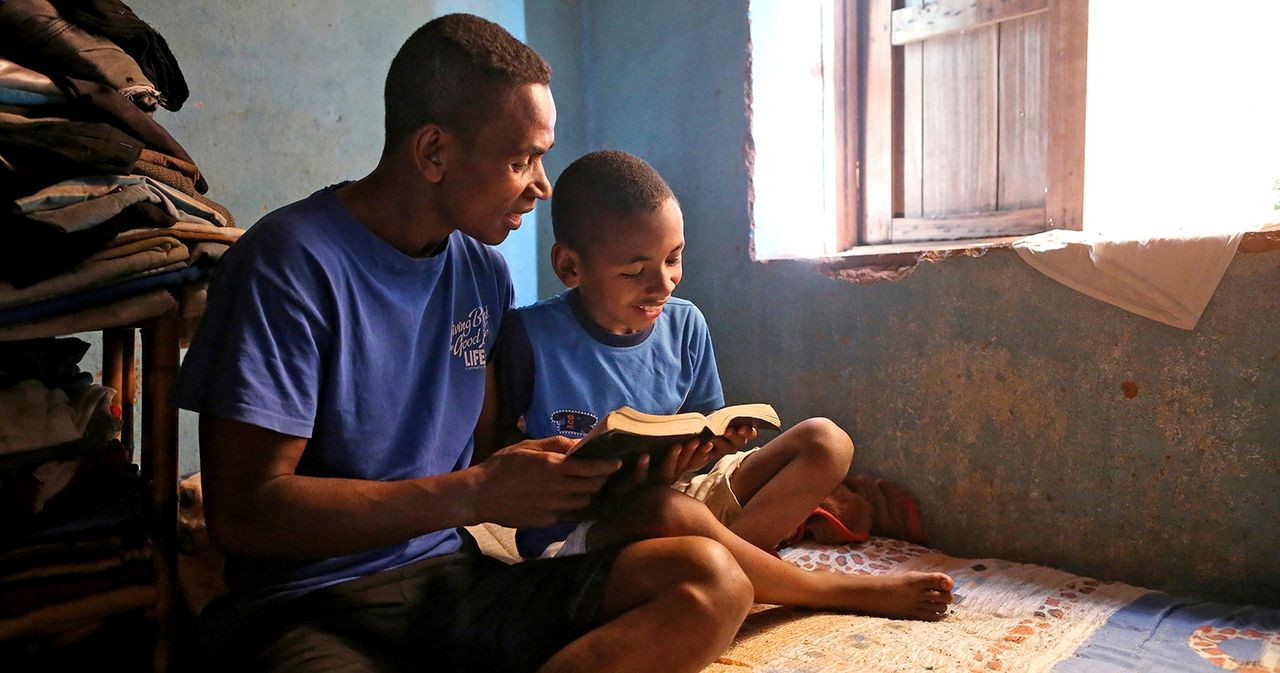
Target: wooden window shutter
{"x": 973, "y": 118}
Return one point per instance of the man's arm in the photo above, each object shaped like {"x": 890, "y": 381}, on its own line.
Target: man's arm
{"x": 257, "y": 505}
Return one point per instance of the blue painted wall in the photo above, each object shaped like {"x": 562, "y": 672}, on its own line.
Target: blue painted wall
{"x": 1003, "y": 400}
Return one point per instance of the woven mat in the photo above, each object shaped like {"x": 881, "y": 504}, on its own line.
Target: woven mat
{"x": 1008, "y": 616}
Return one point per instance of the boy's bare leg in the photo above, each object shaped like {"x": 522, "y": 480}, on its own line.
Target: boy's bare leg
{"x": 658, "y": 512}
{"x": 780, "y": 485}
{"x": 670, "y": 604}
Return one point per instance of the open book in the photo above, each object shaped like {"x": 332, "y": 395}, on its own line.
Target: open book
{"x": 625, "y": 433}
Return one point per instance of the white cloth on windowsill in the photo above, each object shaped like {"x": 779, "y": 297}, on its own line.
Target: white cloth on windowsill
{"x": 1169, "y": 279}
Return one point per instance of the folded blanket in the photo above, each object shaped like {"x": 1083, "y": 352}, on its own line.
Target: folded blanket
{"x": 128, "y": 311}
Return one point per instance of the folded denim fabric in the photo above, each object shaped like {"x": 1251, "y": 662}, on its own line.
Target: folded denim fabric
{"x": 12, "y": 96}
{"x": 77, "y": 204}
{"x": 128, "y": 311}
{"x": 101, "y": 295}
{"x": 15, "y": 76}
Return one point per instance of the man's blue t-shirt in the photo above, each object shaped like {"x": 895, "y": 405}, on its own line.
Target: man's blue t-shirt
{"x": 563, "y": 373}
{"x": 317, "y": 328}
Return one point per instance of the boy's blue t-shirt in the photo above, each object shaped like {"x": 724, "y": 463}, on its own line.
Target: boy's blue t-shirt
{"x": 317, "y": 328}
{"x": 563, "y": 373}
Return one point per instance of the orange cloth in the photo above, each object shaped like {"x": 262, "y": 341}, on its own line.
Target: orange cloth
{"x": 862, "y": 506}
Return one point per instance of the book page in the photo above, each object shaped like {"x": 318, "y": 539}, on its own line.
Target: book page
{"x": 759, "y": 414}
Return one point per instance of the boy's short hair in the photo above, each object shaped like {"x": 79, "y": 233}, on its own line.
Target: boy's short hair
{"x": 451, "y": 71}
{"x": 601, "y": 184}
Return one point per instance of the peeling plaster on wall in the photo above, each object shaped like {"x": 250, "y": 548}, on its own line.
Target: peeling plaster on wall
{"x": 898, "y": 266}
{"x": 889, "y": 267}
{"x": 860, "y": 275}
{"x": 1262, "y": 241}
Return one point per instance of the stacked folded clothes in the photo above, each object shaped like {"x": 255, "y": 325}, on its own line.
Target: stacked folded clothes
{"x": 74, "y": 550}
{"x": 103, "y": 215}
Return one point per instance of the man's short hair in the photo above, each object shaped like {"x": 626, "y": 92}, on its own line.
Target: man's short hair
{"x": 452, "y": 71}
{"x": 603, "y": 184}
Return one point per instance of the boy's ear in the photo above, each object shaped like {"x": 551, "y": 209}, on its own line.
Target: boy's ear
{"x": 430, "y": 147}
{"x": 567, "y": 265}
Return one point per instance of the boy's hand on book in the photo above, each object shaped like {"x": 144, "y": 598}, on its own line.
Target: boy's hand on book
{"x": 661, "y": 469}
{"x": 681, "y": 458}
{"x": 734, "y": 440}
{"x": 533, "y": 484}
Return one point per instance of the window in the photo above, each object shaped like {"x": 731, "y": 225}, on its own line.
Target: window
{"x": 882, "y": 126}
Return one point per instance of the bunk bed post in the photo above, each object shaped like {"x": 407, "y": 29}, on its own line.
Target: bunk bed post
{"x": 129, "y": 383}
{"x": 113, "y": 366}
{"x": 160, "y": 355}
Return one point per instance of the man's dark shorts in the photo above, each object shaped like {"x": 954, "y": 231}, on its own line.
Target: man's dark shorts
{"x": 460, "y": 612}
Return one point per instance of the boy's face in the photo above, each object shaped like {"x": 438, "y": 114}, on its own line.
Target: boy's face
{"x": 496, "y": 178}
{"x": 629, "y": 271}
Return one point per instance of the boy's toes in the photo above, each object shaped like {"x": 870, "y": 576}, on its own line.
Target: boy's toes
{"x": 940, "y": 582}
{"x": 931, "y": 612}
{"x": 937, "y": 587}
{"x": 939, "y": 596}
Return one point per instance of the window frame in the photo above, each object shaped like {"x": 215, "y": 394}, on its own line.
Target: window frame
{"x": 870, "y": 126}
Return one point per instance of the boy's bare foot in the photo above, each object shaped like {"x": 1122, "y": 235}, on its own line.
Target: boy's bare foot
{"x": 910, "y": 595}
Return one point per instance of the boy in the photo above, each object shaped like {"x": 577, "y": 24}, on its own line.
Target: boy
{"x": 617, "y": 337}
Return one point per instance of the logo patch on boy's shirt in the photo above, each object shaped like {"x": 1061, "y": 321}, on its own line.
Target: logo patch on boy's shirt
{"x": 573, "y": 423}
{"x": 469, "y": 336}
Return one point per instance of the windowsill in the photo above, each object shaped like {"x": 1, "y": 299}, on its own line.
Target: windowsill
{"x": 877, "y": 263}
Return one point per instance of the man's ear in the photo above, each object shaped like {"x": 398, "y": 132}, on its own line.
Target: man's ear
{"x": 567, "y": 264}
{"x": 430, "y": 145}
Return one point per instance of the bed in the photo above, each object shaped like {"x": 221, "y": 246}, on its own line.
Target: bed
{"x": 1007, "y": 617}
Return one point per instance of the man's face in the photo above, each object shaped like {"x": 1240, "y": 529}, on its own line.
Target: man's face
{"x": 498, "y": 177}
{"x": 630, "y": 270}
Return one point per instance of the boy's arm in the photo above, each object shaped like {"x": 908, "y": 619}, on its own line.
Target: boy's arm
{"x": 487, "y": 436}
{"x": 508, "y": 389}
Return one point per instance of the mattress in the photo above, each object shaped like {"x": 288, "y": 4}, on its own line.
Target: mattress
{"x": 1007, "y": 617}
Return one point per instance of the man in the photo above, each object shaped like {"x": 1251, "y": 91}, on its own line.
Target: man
{"x": 339, "y": 374}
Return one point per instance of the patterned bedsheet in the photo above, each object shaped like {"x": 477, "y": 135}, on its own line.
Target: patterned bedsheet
{"x": 1007, "y": 617}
